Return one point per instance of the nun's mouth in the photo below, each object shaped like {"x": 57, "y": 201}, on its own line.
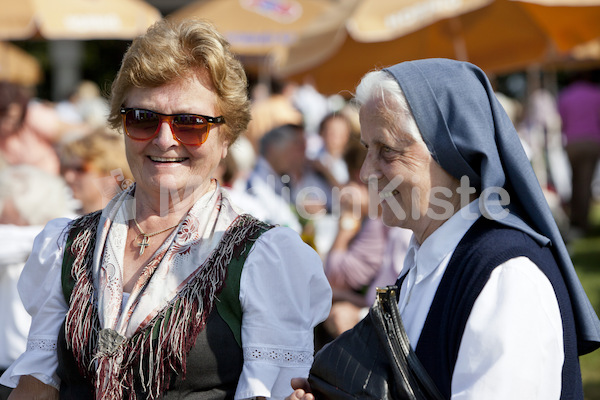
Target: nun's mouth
{"x": 386, "y": 195}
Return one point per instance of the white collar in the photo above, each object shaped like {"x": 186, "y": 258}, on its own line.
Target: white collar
{"x": 443, "y": 241}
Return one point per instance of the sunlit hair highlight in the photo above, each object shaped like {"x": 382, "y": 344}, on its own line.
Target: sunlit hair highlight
{"x": 382, "y": 85}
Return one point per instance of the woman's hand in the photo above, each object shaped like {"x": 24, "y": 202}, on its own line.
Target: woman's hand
{"x": 30, "y": 388}
{"x": 301, "y": 390}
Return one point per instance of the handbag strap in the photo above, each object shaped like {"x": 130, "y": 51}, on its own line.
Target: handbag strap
{"x": 386, "y": 309}
{"x": 398, "y": 285}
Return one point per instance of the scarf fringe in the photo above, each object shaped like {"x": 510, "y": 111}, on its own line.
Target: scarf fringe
{"x": 82, "y": 324}
{"x": 159, "y": 350}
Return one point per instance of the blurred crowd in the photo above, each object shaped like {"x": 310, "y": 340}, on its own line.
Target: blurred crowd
{"x": 561, "y": 136}
{"x": 297, "y": 166}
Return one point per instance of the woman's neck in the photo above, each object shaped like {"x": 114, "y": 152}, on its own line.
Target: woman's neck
{"x": 166, "y": 207}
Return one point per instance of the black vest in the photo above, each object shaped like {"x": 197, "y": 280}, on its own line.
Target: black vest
{"x": 485, "y": 246}
{"x": 214, "y": 366}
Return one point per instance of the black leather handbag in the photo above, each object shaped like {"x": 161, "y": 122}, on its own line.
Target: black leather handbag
{"x": 373, "y": 360}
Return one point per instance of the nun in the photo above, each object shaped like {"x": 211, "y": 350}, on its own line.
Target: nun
{"x": 488, "y": 295}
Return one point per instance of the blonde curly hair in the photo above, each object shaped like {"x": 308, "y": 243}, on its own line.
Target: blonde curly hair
{"x": 169, "y": 51}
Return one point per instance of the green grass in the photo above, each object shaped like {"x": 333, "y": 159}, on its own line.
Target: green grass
{"x": 585, "y": 253}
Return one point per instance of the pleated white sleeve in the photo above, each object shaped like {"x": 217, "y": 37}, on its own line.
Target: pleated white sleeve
{"x": 41, "y": 293}
{"x": 284, "y": 294}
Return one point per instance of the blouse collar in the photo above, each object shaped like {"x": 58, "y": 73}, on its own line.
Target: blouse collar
{"x": 442, "y": 242}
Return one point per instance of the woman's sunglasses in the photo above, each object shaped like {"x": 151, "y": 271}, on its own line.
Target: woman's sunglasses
{"x": 189, "y": 129}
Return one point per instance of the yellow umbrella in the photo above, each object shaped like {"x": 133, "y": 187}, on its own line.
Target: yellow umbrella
{"x": 75, "y": 19}
{"x": 497, "y": 35}
{"x": 255, "y": 27}
{"x": 18, "y": 66}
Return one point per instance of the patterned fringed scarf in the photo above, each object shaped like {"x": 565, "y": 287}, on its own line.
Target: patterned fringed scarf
{"x": 159, "y": 346}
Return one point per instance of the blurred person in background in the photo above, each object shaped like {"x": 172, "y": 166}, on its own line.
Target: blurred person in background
{"x": 276, "y": 110}
{"x": 312, "y": 104}
{"x": 29, "y": 198}
{"x": 335, "y": 130}
{"x": 542, "y": 139}
{"x": 269, "y": 182}
{"x": 170, "y": 291}
{"x": 228, "y": 176}
{"x": 85, "y": 106}
{"x": 579, "y": 107}
{"x": 95, "y": 167}
{"x": 29, "y": 129}
{"x": 311, "y": 193}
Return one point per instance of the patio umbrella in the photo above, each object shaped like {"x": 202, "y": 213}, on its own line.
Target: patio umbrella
{"x": 75, "y": 19}
{"x": 583, "y": 56}
{"x": 255, "y": 27}
{"x": 497, "y": 35}
{"x": 18, "y": 66}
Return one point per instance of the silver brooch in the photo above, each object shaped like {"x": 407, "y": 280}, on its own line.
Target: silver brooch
{"x": 109, "y": 341}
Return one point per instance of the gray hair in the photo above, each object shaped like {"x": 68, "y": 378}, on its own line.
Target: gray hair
{"x": 37, "y": 195}
{"x": 279, "y": 137}
{"x": 382, "y": 85}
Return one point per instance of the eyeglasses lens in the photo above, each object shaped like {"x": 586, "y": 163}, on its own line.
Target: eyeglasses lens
{"x": 141, "y": 124}
{"x": 188, "y": 128}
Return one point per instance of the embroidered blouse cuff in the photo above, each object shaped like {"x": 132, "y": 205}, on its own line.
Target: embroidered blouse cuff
{"x": 268, "y": 371}
{"x": 39, "y": 358}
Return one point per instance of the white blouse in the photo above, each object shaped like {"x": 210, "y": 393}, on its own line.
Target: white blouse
{"x": 16, "y": 242}
{"x": 283, "y": 293}
{"x": 512, "y": 346}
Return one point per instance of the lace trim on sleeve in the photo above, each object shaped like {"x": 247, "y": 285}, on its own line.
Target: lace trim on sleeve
{"x": 41, "y": 344}
{"x": 278, "y": 356}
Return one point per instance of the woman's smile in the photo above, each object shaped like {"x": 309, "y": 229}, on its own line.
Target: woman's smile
{"x": 165, "y": 160}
